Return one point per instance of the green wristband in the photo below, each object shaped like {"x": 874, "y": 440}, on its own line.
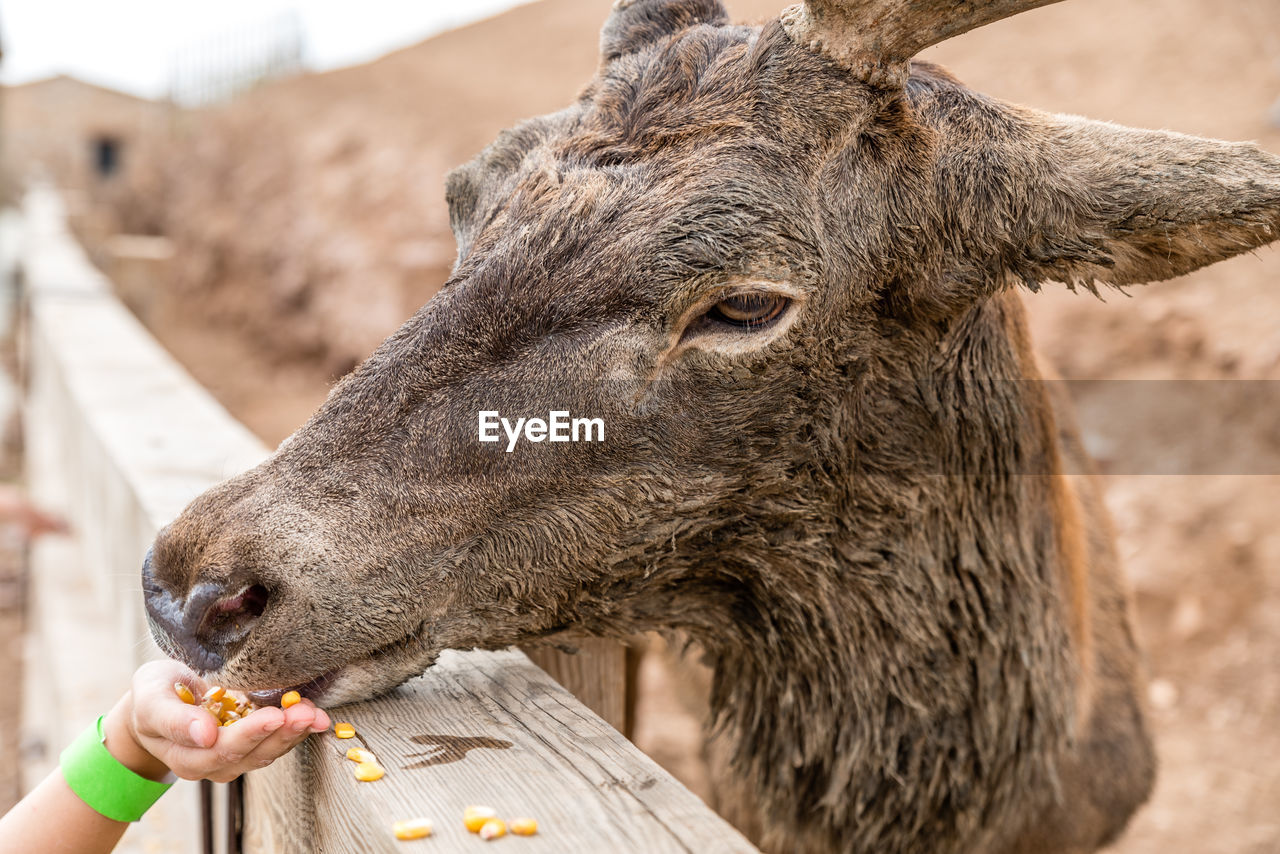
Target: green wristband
{"x": 102, "y": 782}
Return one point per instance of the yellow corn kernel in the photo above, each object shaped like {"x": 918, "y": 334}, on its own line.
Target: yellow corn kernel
{"x": 475, "y": 817}
{"x": 367, "y": 772}
{"x": 359, "y": 754}
{"x": 230, "y": 716}
{"x": 290, "y": 698}
{"x": 414, "y": 828}
{"x": 214, "y": 694}
{"x": 494, "y": 828}
{"x": 342, "y": 730}
{"x": 184, "y": 693}
{"x": 524, "y": 826}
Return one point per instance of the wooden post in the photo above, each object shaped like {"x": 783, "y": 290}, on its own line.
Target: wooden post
{"x": 596, "y": 674}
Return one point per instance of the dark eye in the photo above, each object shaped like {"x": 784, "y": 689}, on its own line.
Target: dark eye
{"x": 749, "y": 311}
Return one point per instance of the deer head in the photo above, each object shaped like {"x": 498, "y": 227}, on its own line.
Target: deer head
{"x": 746, "y": 251}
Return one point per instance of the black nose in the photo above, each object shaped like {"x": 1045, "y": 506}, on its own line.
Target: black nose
{"x": 204, "y": 626}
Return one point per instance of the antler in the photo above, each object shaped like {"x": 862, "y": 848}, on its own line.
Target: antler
{"x": 877, "y": 38}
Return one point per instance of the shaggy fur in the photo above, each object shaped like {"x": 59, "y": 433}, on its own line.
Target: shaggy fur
{"x": 918, "y": 628}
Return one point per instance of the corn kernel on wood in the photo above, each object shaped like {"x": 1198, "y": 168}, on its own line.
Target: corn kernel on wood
{"x": 414, "y": 828}
{"x": 494, "y": 828}
{"x": 474, "y": 817}
{"x": 184, "y": 693}
{"x": 367, "y": 772}
{"x": 359, "y": 754}
{"x": 344, "y": 730}
{"x": 290, "y": 698}
{"x": 524, "y": 826}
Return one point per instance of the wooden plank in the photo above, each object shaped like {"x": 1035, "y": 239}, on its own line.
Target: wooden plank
{"x": 596, "y": 674}
{"x": 118, "y": 439}
{"x": 280, "y": 814}
{"x": 479, "y": 728}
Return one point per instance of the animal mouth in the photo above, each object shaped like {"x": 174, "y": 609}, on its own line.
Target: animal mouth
{"x": 314, "y": 689}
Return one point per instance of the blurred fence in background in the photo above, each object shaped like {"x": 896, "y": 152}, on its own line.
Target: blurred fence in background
{"x": 219, "y": 68}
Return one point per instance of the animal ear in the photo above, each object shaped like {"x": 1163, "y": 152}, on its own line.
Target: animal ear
{"x": 637, "y": 23}
{"x": 1083, "y": 202}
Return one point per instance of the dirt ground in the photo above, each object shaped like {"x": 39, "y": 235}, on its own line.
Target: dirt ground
{"x": 1201, "y": 542}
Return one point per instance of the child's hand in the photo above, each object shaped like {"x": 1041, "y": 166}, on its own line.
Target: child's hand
{"x": 152, "y": 732}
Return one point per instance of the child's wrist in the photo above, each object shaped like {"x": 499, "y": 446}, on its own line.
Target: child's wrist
{"x": 122, "y": 742}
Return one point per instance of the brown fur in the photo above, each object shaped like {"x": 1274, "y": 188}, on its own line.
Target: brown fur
{"x": 871, "y": 517}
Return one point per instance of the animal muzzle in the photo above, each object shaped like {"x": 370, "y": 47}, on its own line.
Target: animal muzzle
{"x": 205, "y": 626}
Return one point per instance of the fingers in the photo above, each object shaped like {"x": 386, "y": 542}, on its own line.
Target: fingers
{"x": 299, "y": 721}
{"x": 253, "y": 742}
{"x": 190, "y": 742}
{"x": 238, "y": 740}
{"x": 303, "y": 720}
{"x": 158, "y": 713}
{"x": 223, "y": 759}
{"x": 154, "y": 680}
{"x": 319, "y": 717}
{"x": 173, "y": 722}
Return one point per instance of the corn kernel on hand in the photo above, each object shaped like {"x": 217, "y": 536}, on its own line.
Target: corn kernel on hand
{"x": 162, "y": 732}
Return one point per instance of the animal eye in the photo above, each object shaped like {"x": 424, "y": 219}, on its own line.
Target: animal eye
{"x": 749, "y": 311}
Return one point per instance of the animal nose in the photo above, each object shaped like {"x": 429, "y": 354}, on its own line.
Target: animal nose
{"x": 208, "y": 622}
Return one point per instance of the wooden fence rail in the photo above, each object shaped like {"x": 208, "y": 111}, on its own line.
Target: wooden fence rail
{"x": 119, "y": 438}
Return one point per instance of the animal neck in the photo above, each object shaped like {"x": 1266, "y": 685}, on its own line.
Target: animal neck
{"x": 909, "y": 681}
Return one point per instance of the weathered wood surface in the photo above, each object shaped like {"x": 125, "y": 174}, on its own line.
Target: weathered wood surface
{"x": 479, "y": 728}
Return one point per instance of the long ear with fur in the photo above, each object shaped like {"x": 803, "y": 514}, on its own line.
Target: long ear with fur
{"x": 637, "y": 23}
{"x": 1044, "y": 197}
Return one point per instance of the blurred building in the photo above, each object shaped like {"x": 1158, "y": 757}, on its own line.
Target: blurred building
{"x": 79, "y": 135}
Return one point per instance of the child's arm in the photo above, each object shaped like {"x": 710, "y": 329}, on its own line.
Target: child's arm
{"x": 153, "y": 733}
